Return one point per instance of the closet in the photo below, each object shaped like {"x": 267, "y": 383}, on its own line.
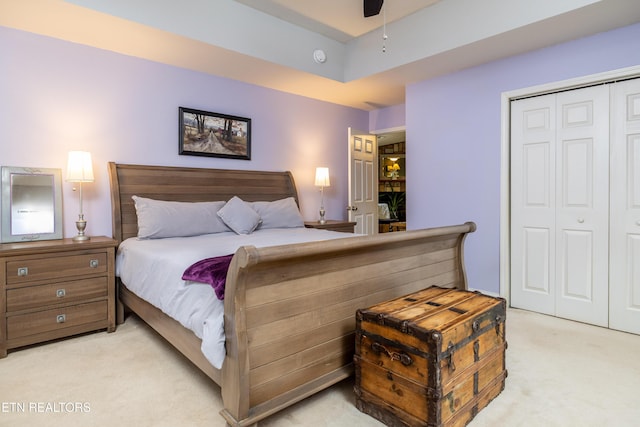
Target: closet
{"x": 575, "y": 204}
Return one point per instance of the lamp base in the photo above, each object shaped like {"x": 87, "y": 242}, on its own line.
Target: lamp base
{"x": 81, "y": 225}
{"x": 322, "y": 220}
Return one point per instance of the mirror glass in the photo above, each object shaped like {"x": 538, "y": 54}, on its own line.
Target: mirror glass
{"x": 31, "y": 204}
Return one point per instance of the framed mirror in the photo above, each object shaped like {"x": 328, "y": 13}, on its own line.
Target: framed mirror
{"x": 31, "y": 204}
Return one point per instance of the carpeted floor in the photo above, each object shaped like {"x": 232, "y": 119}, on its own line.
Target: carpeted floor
{"x": 561, "y": 373}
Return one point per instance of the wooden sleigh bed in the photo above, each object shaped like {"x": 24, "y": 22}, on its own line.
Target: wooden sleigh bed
{"x": 289, "y": 311}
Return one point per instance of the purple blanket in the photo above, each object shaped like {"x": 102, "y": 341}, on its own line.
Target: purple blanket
{"x": 212, "y": 271}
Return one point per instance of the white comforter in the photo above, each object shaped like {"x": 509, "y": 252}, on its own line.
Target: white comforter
{"x": 152, "y": 269}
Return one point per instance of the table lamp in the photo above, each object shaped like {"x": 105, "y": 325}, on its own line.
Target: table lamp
{"x": 322, "y": 180}
{"x": 79, "y": 170}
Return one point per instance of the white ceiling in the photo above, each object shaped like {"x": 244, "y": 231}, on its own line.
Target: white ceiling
{"x": 341, "y": 20}
{"x": 271, "y": 42}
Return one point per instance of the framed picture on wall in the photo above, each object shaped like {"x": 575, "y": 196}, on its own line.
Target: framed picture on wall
{"x": 214, "y": 135}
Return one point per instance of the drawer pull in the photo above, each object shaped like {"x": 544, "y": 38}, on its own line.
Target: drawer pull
{"x": 23, "y": 271}
{"x": 60, "y": 293}
{"x": 93, "y": 263}
{"x": 61, "y": 318}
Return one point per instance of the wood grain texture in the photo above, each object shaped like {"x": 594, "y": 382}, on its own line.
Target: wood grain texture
{"x": 56, "y": 288}
{"x": 188, "y": 185}
{"x": 290, "y": 309}
{"x": 435, "y": 357}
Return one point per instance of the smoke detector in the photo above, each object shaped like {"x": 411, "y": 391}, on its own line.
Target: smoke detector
{"x": 319, "y": 56}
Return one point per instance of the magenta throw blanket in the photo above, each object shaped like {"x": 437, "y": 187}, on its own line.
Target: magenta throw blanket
{"x": 212, "y": 271}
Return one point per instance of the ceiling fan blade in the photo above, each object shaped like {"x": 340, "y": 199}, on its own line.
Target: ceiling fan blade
{"x": 372, "y": 7}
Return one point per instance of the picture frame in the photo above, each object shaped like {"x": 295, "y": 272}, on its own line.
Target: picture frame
{"x": 203, "y": 133}
{"x": 31, "y": 204}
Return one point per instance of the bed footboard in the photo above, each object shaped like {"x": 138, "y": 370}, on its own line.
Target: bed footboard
{"x": 290, "y": 310}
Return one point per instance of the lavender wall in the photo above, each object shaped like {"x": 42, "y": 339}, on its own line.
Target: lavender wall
{"x": 453, "y": 137}
{"x": 387, "y": 118}
{"x": 57, "y": 96}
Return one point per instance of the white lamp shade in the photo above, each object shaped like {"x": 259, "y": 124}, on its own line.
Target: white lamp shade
{"x": 79, "y": 167}
{"x": 322, "y": 177}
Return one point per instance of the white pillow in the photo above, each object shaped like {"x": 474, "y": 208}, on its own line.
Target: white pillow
{"x": 239, "y": 216}
{"x": 159, "y": 218}
{"x": 282, "y": 213}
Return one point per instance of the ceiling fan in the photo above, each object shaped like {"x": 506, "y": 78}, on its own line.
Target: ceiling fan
{"x": 372, "y": 7}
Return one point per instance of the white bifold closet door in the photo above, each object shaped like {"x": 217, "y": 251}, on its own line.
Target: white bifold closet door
{"x": 575, "y": 204}
{"x": 624, "y": 267}
{"x": 560, "y": 204}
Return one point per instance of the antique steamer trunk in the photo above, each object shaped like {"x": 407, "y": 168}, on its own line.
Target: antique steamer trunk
{"x": 432, "y": 358}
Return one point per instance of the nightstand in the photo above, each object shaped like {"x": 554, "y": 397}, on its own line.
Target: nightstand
{"x": 55, "y": 288}
{"x": 333, "y": 225}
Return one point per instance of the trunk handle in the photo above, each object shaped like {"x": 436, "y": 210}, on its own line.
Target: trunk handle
{"x": 404, "y": 358}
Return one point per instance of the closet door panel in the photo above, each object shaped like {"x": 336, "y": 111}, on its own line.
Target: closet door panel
{"x": 625, "y": 207}
{"x": 576, "y": 279}
{"x": 582, "y": 201}
{"x": 535, "y": 260}
{"x": 533, "y": 204}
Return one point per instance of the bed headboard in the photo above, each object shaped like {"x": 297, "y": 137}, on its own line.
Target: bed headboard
{"x": 187, "y": 185}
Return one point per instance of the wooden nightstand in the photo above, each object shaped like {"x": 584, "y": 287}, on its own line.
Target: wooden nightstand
{"x": 56, "y": 288}
{"x": 333, "y": 225}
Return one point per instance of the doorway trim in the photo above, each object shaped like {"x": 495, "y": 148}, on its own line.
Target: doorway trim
{"x": 389, "y": 130}
{"x": 505, "y": 152}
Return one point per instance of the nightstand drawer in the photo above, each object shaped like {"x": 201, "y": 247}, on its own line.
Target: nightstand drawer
{"x": 47, "y": 268}
{"x": 50, "y": 320}
{"x": 24, "y": 298}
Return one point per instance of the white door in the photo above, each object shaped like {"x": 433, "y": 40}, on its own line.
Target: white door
{"x": 559, "y": 204}
{"x": 533, "y": 204}
{"x": 624, "y": 290}
{"x": 582, "y": 205}
{"x": 363, "y": 182}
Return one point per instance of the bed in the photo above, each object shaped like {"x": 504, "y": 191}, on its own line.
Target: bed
{"x": 289, "y": 310}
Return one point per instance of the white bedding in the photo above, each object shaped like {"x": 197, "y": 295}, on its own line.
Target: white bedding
{"x": 152, "y": 269}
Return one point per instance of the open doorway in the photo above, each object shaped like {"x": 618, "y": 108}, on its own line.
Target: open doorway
{"x": 392, "y": 188}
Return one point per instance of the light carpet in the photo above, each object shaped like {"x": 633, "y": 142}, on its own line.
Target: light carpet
{"x": 561, "y": 373}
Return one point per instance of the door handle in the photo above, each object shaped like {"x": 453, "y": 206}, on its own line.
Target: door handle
{"x": 580, "y": 220}
{"x": 352, "y": 208}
